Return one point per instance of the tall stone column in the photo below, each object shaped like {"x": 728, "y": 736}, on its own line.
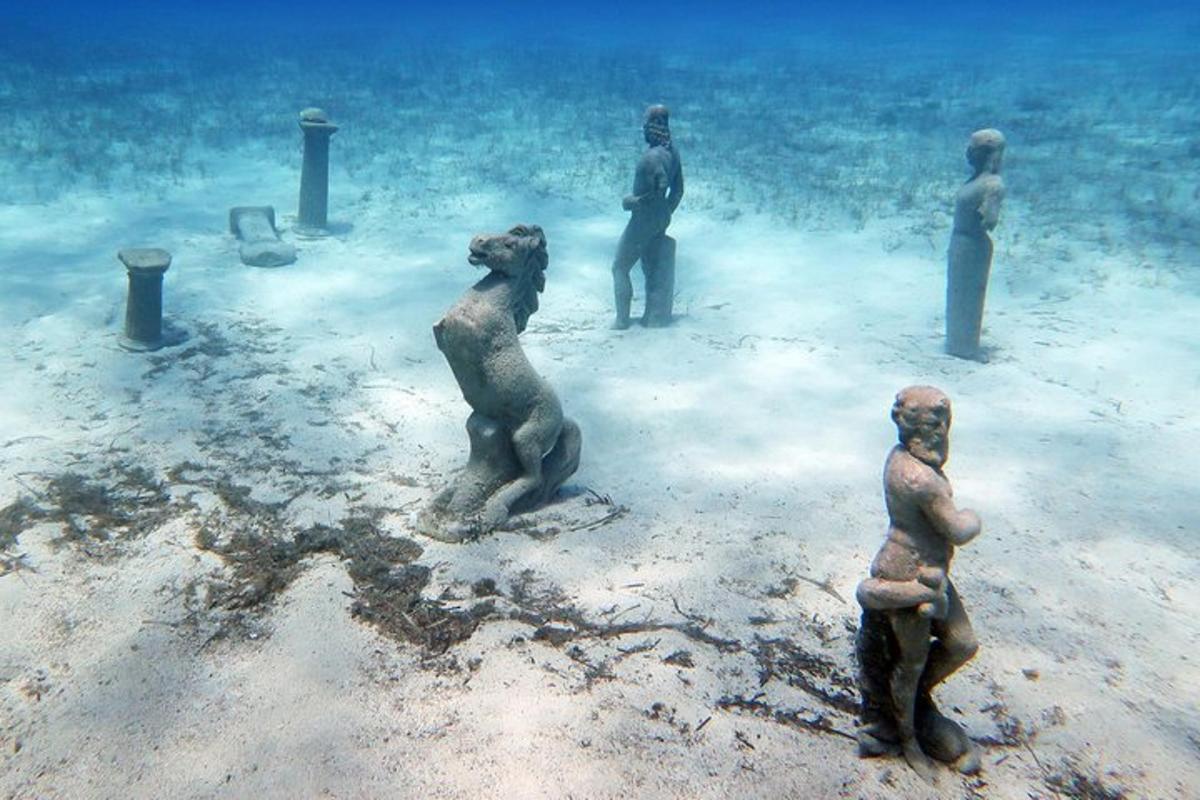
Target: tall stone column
{"x": 314, "y": 175}
{"x": 143, "y": 306}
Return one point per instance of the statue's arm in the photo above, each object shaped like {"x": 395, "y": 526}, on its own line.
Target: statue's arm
{"x": 675, "y": 191}
{"x": 958, "y": 526}
{"x": 881, "y": 594}
{"x": 989, "y": 207}
{"x": 634, "y": 198}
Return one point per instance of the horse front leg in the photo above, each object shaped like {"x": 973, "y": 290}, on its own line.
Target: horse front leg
{"x": 529, "y": 447}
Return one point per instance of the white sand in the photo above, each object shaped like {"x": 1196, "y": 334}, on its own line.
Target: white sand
{"x": 746, "y": 442}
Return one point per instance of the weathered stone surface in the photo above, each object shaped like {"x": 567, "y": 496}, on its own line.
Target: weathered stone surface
{"x": 969, "y": 260}
{"x": 143, "y": 303}
{"x": 522, "y": 447}
{"x": 314, "y": 173}
{"x": 658, "y": 265}
{"x": 145, "y": 258}
{"x": 915, "y": 632}
{"x": 657, "y": 190}
{"x": 261, "y": 245}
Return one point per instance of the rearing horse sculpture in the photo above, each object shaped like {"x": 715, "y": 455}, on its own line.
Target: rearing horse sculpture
{"x": 522, "y": 447}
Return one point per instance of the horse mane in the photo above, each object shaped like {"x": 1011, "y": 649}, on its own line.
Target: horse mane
{"x": 532, "y": 281}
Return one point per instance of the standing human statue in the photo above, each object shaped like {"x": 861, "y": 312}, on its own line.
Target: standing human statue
{"x": 976, "y": 212}
{"x": 657, "y": 190}
{"x": 915, "y": 632}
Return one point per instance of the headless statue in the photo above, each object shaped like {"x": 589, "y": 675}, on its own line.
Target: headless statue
{"x": 657, "y": 190}
{"x": 976, "y": 212}
{"x": 522, "y": 447}
{"x": 915, "y": 632}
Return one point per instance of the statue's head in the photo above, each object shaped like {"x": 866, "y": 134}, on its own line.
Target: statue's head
{"x": 656, "y": 125}
{"x": 985, "y": 150}
{"x": 922, "y": 417}
{"x": 519, "y": 254}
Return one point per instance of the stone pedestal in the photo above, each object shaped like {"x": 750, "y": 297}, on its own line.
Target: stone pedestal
{"x": 143, "y": 307}
{"x": 314, "y": 175}
{"x": 660, "y": 284}
{"x": 261, "y": 246}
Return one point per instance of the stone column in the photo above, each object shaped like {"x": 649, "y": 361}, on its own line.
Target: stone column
{"x": 143, "y": 307}
{"x": 314, "y": 175}
{"x": 660, "y": 283}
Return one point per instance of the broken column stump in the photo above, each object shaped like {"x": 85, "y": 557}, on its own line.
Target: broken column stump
{"x": 261, "y": 246}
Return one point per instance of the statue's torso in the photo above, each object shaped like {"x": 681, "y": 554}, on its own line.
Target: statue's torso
{"x": 969, "y": 202}
{"x": 912, "y": 541}
{"x": 657, "y": 171}
{"x": 479, "y": 339}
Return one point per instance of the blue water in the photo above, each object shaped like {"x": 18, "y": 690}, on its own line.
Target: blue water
{"x": 755, "y": 85}
{"x": 607, "y": 21}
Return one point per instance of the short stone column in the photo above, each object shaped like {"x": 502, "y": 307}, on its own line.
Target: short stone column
{"x": 314, "y": 174}
{"x": 143, "y": 307}
{"x": 660, "y": 284}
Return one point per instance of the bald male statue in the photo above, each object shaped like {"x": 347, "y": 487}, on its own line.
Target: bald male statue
{"x": 915, "y": 632}
{"x": 657, "y": 190}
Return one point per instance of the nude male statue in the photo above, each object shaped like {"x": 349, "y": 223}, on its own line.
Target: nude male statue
{"x": 976, "y": 212}
{"x": 657, "y": 190}
{"x": 915, "y": 630}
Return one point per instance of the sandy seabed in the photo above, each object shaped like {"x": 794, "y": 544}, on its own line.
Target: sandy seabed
{"x": 679, "y": 623}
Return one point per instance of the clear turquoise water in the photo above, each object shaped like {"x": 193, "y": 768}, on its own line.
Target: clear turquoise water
{"x": 775, "y": 103}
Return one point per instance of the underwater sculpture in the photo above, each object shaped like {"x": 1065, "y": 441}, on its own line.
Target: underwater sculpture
{"x": 914, "y": 631}
{"x": 522, "y": 447}
{"x": 143, "y": 303}
{"x": 314, "y": 174}
{"x": 261, "y": 246}
{"x": 976, "y": 212}
{"x": 657, "y": 190}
